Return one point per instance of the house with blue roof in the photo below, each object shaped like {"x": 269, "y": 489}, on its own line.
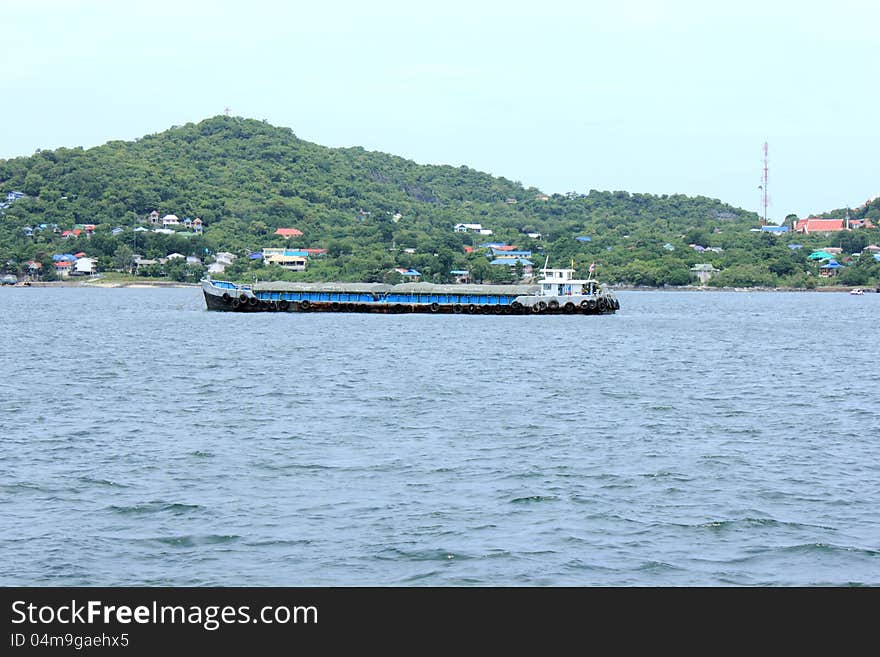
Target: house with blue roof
{"x": 830, "y": 268}
{"x": 774, "y": 230}
{"x": 411, "y": 275}
{"x": 584, "y": 238}
{"x": 527, "y": 264}
{"x": 506, "y": 253}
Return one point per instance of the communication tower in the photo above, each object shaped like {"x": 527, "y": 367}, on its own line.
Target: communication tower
{"x": 765, "y": 196}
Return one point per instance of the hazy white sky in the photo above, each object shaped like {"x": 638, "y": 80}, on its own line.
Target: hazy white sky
{"x": 673, "y": 96}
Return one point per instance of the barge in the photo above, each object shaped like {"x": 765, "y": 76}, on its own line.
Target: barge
{"x": 558, "y": 292}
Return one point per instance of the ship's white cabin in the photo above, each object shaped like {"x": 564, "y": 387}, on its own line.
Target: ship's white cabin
{"x": 561, "y": 283}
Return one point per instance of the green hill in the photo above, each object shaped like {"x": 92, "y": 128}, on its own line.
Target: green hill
{"x": 371, "y": 211}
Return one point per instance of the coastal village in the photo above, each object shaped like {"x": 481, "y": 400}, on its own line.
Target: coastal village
{"x": 296, "y": 258}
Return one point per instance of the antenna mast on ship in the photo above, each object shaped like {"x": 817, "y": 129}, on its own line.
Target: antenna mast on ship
{"x": 763, "y": 187}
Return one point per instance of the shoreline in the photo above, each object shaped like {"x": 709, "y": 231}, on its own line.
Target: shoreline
{"x": 106, "y": 284}
{"x": 695, "y": 288}
{"x": 622, "y": 288}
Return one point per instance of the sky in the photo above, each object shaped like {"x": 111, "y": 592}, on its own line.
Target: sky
{"x": 671, "y": 97}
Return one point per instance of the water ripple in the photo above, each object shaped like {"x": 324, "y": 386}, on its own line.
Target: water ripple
{"x": 691, "y": 439}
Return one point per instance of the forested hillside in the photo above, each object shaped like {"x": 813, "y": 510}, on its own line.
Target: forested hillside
{"x": 371, "y": 211}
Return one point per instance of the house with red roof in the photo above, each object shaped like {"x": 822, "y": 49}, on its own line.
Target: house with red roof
{"x": 287, "y": 233}
{"x": 63, "y": 267}
{"x": 815, "y": 225}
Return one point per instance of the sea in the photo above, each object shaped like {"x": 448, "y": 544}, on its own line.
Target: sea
{"x": 694, "y": 438}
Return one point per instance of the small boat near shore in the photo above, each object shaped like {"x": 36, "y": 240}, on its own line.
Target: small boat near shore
{"x": 557, "y": 293}
{"x": 857, "y": 291}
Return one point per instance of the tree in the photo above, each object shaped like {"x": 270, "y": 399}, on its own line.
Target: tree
{"x": 851, "y": 241}
{"x": 392, "y": 277}
{"x": 746, "y": 275}
{"x": 47, "y": 271}
{"x": 479, "y": 269}
{"x": 864, "y": 271}
{"x": 123, "y": 258}
{"x": 500, "y": 274}
{"x": 259, "y": 228}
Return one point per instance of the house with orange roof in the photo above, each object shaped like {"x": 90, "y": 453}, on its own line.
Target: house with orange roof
{"x": 816, "y": 225}
{"x": 63, "y": 268}
{"x": 287, "y": 233}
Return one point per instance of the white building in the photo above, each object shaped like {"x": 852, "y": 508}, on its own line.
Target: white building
{"x": 84, "y": 266}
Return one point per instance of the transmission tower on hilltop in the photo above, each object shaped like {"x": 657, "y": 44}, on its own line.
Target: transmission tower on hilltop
{"x": 765, "y": 196}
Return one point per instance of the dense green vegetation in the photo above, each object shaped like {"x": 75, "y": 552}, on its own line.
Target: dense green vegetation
{"x": 374, "y": 212}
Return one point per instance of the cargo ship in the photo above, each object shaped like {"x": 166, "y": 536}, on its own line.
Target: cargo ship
{"x": 558, "y": 292}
